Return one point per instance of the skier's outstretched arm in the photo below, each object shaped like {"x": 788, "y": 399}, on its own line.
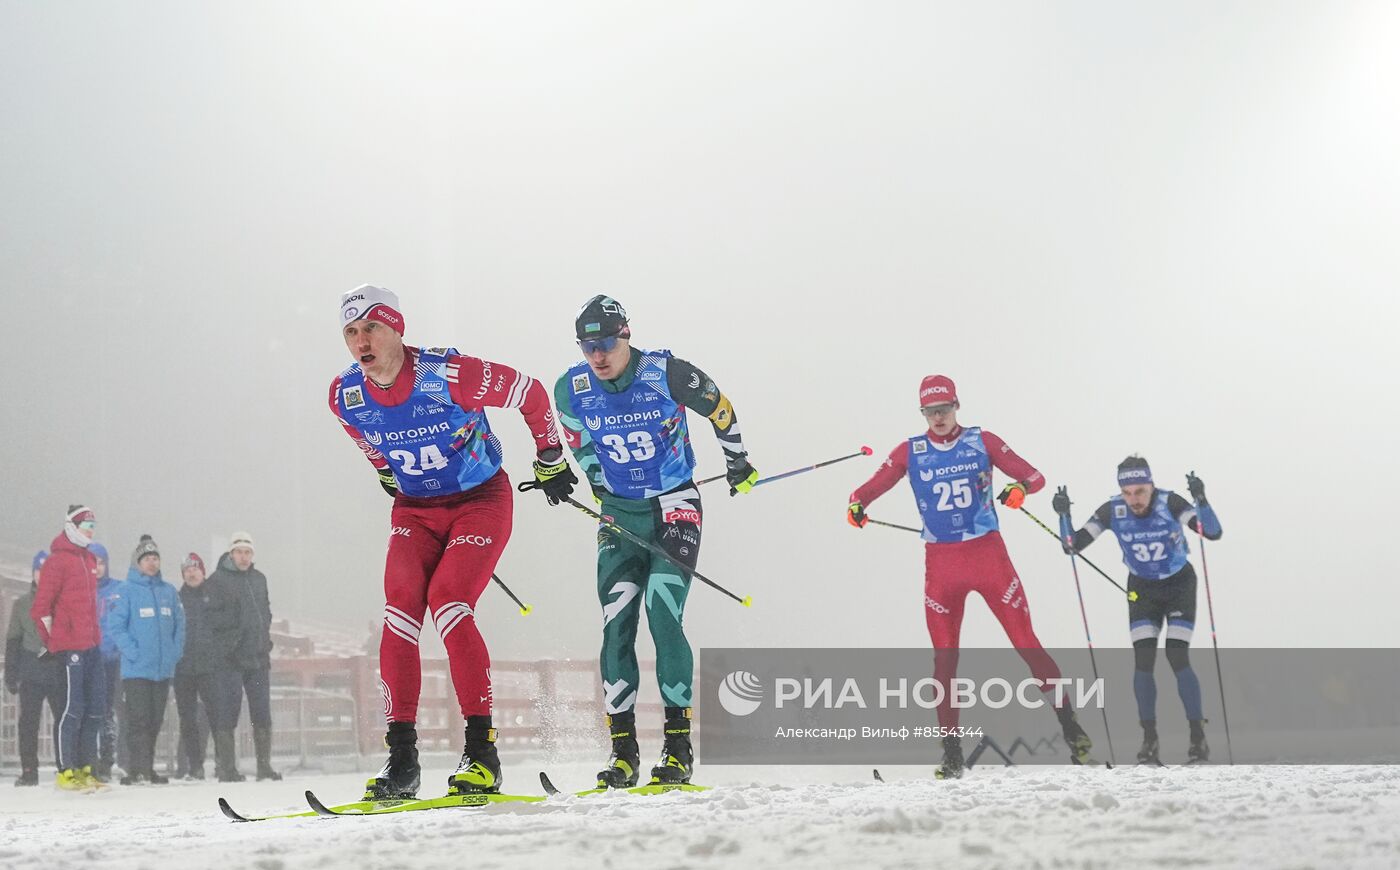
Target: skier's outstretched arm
{"x": 890, "y": 472}
{"x": 1070, "y": 540}
{"x": 1025, "y": 479}
{"x": 1199, "y": 517}
{"x": 696, "y": 390}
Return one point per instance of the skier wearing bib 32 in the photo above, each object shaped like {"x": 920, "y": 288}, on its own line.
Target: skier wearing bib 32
{"x": 1161, "y": 585}
{"x": 419, "y": 415}
{"x": 949, "y": 469}
{"x": 623, "y": 412}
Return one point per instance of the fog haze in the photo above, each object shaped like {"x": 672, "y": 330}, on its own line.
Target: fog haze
{"x": 1166, "y": 230}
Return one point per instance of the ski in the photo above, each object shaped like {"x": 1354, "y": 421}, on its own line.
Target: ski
{"x": 379, "y": 808}
{"x": 234, "y": 816}
{"x": 654, "y": 788}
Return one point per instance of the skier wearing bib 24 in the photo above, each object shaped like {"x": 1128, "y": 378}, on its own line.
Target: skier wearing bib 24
{"x": 623, "y": 411}
{"x": 419, "y": 415}
{"x": 949, "y": 469}
{"x": 1148, "y": 523}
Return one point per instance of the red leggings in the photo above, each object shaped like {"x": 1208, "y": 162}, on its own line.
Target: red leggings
{"x": 980, "y": 565}
{"x": 440, "y": 559}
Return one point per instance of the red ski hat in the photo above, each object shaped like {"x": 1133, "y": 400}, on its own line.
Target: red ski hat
{"x": 937, "y": 390}
{"x": 192, "y": 561}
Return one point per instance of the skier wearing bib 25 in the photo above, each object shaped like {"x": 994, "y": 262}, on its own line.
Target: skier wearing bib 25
{"x": 623, "y": 412}
{"x": 419, "y": 415}
{"x": 1148, "y": 524}
{"x": 949, "y": 469}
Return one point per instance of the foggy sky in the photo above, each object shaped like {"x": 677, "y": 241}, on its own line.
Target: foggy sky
{"x": 1165, "y": 230}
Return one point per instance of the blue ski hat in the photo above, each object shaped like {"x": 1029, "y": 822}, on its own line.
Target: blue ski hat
{"x": 101, "y": 552}
{"x": 39, "y": 558}
{"x": 1134, "y": 470}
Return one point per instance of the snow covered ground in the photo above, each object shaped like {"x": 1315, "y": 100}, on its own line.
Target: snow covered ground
{"x": 761, "y": 817}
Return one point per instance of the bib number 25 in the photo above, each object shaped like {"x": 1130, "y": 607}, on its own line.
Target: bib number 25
{"x": 953, "y": 494}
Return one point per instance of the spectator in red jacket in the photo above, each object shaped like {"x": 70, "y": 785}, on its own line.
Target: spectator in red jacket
{"x": 65, "y": 614}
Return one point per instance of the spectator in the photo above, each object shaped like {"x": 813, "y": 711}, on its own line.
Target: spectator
{"x": 107, "y": 588}
{"x": 208, "y": 617}
{"x": 65, "y": 613}
{"x": 33, "y": 678}
{"x": 148, "y": 626}
{"x": 252, "y": 658}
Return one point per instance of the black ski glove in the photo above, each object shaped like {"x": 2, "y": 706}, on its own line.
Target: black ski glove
{"x": 1061, "y": 501}
{"x": 554, "y": 476}
{"x": 741, "y": 477}
{"x": 1197, "y": 487}
{"x": 386, "y": 480}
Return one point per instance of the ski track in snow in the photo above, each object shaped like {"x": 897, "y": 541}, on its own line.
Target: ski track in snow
{"x": 770, "y": 817}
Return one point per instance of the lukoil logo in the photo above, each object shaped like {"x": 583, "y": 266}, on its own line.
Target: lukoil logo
{"x": 741, "y": 693}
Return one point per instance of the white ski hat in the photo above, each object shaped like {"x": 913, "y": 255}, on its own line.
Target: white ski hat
{"x": 241, "y": 539}
{"x": 368, "y": 302}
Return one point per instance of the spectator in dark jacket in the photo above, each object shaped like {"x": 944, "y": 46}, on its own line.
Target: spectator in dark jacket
{"x": 252, "y": 658}
{"x": 34, "y": 676}
{"x": 148, "y": 625}
{"x": 107, "y": 587}
{"x": 211, "y": 624}
{"x": 65, "y": 613}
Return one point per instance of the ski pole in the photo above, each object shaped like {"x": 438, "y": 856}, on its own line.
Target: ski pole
{"x": 747, "y": 600}
{"x": 1131, "y": 596}
{"x": 864, "y": 451}
{"x": 875, "y": 522}
{"x": 1219, "y": 677}
{"x": 524, "y": 608}
{"x": 1092, "y": 660}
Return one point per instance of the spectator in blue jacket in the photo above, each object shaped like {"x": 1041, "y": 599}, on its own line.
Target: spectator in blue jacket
{"x": 107, "y": 588}
{"x": 147, "y": 624}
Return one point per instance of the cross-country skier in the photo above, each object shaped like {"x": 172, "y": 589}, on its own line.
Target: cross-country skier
{"x": 949, "y": 469}
{"x": 1148, "y": 524}
{"x": 624, "y": 417}
{"x": 419, "y": 415}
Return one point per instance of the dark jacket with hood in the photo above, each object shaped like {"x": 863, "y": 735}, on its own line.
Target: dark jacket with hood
{"x": 211, "y": 628}
{"x": 253, "y": 650}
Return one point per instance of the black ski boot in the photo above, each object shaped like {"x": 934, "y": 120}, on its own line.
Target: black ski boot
{"x": 1199, "y": 753}
{"x": 262, "y": 745}
{"x": 28, "y": 776}
{"x": 1148, "y": 754}
{"x": 625, "y": 763}
{"x": 479, "y": 771}
{"x": 952, "y": 766}
{"x": 1075, "y": 737}
{"x": 677, "y": 757}
{"x": 401, "y": 776}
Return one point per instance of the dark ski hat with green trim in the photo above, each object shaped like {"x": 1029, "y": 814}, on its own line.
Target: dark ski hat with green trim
{"x": 600, "y": 317}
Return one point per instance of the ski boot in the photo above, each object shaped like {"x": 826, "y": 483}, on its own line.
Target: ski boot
{"x": 677, "y": 757}
{"x": 952, "y": 766}
{"x": 226, "y": 757}
{"x": 625, "y": 763}
{"x": 479, "y": 771}
{"x": 29, "y": 776}
{"x": 1199, "y": 753}
{"x": 262, "y": 745}
{"x": 1075, "y": 737}
{"x": 401, "y": 776}
{"x": 1148, "y": 754}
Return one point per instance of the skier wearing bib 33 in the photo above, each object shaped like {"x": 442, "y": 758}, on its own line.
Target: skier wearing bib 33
{"x": 624, "y": 417}
{"x": 419, "y": 415}
{"x": 949, "y": 469}
{"x": 1161, "y": 585}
